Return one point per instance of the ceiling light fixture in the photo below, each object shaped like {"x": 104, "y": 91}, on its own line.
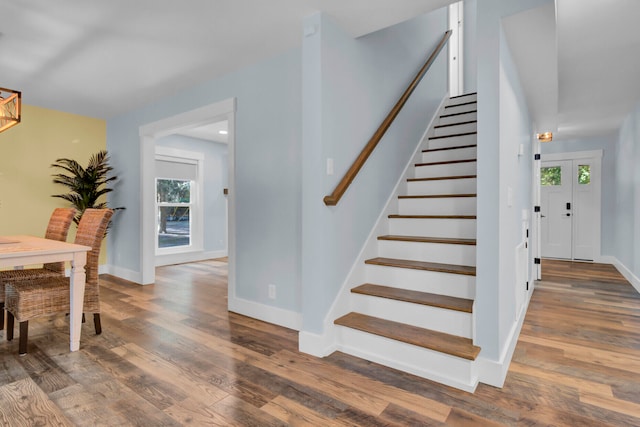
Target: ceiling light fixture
{"x": 10, "y": 108}
{"x": 545, "y": 137}
{"x": 223, "y": 132}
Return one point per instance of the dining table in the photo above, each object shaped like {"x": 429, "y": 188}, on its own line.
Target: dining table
{"x": 24, "y": 251}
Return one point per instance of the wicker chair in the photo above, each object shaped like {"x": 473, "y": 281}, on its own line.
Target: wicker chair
{"x": 57, "y": 229}
{"x": 25, "y": 300}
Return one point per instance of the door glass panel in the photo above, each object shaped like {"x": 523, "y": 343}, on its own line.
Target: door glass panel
{"x": 551, "y": 175}
{"x": 584, "y": 174}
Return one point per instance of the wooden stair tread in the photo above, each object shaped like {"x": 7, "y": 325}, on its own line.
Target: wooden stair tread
{"x": 396, "y": 216}
{"x": 415, "y": 297}
{"x": 424, "y": 239}
{"x": 423, "y": 265}
{"x": 453, "y": 135}
{"x": 459, "y": 147}
{"x": 439, "y": 178}
{"x": 458, "y": 114}
{"x": 461, "y": 104}
{"x": 425, "y": 338}
{"x": 455, "y": 124}
{"x": 446, "y": 162}
{"x": 463, "y": 95}
{"x": 436, "y": 196}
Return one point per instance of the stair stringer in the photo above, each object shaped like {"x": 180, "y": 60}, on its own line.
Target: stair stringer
{"x": 321, "y": 345}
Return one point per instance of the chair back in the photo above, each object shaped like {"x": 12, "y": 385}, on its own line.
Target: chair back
{"x": 58, "y": 229}
{"x": 91, "y": 230}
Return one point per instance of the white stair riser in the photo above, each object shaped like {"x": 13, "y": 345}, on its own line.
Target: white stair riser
{"x": 455, "y": 285}
{"x": 450, "y": 109}
{"x": 423, "y": 316}
{"x": 433, "y": 227}
{"x": 453, "y": 141}
{"x": 446, "y": 169}
{"x": 438, "y": 206}
{"x": 447, "y": 120}
{"x": 464, "y": 98}
{"x": 433, "y": 252}
{"x": 433, "y": 365}
{"x": 451, "y": 130}
{"x": 449, "y": 155}
{"x": 442, "y": 186}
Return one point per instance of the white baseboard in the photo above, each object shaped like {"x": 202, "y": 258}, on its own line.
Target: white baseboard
{"x": 624, "y": 270}
{"x": 315, "y": 344}
{"x": 123, "y": 273}
{"x": 494, "y": 372}
{"x": 181, "y": 258}
{"x": 266, "y": 313}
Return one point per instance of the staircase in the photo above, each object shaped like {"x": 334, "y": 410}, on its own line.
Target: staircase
{"x": 416, "y": 311}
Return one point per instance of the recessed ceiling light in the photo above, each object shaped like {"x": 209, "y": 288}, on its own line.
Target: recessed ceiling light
{"x": 223, "y": 132}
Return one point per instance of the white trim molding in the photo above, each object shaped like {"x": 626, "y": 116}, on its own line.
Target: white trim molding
{"x": 623, "y": 269}
{"x": 223, "y": 110}
{"x": 266, "y": 313}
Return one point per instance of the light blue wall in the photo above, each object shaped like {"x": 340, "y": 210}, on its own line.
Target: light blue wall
{"x": 515, "y": 186}
{"x": 267, "y": 166}
{"x": 627, "y": 203}
{"x": 491, "y": 325}
{"x": 470, "y": 63}
{"x": 215, "y": 180}
{"x": 349, "y": 87}
{"x": 606, "y": 143}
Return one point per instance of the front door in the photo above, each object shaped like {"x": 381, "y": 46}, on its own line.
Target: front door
{"x": 568, "y": 209}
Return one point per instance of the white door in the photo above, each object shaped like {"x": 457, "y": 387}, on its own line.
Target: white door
{"x": 556, "y": 197}
{"x": 568, "y": 209}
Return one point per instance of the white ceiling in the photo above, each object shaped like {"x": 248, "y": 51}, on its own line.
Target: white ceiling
{"x": 578, "y": 59}
{"x": 579, "y": 62}
{"x": 103, "y": 58}
{"x": 211, "y": 132}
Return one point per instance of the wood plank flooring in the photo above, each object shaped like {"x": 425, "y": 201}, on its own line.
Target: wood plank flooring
{"x": 170, "y": 354}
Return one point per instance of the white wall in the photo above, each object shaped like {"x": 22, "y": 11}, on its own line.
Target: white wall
{"x": 515, "y": 184}
{"x": 627, "y": 197}
{"x": 349, "y": 86}
{"x": 470, "y": 63}
{"x": 496, "y": 140}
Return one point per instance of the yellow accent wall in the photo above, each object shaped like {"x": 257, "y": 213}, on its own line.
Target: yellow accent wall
{"x": 26, "y": 153}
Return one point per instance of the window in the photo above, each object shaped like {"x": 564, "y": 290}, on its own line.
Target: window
{"x": 584, "y": 174}
{"x": 551, "y": 175}
{"x": 179, "y": 213}
{"x": 174, "y": 208}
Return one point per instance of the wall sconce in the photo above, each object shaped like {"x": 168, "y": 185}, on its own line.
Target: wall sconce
{"x": 10, "y": 108}
{"x": 545, "y": 137}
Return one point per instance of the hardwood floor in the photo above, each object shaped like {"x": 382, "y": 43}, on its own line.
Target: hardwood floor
{"x": 170, "y": 354}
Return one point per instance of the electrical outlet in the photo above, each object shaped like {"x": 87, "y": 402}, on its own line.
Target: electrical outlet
{"x": 272, "y": 291}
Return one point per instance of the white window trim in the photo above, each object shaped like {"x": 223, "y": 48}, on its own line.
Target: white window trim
{"x": 164, "y": 255}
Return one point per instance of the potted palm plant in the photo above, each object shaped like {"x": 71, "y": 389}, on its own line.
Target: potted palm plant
{"x": 85, "y": 185}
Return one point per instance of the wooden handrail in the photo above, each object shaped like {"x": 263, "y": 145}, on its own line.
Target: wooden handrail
{"x": 341, "y": 188}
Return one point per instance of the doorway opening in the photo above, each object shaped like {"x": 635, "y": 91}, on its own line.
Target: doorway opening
{"x": 149, "y": 134}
